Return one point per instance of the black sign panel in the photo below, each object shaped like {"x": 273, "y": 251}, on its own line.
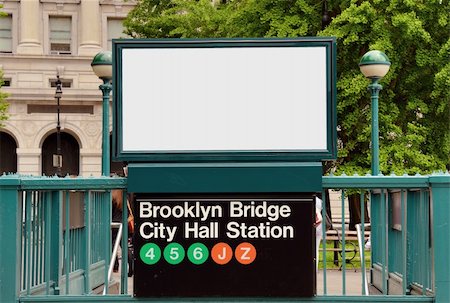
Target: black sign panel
{"x": 222, "y": 246}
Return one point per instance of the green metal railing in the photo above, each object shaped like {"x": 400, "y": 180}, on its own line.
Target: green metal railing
{"x": 48, "y": 255}
{"x": 405, "y": 211}
{"x": 45, "y": 224}
{"x": 55, "y": 235}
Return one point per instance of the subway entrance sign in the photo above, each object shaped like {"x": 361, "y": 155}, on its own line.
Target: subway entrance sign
{"x": 224, "y": 141}
{"x": 224, "y": 246}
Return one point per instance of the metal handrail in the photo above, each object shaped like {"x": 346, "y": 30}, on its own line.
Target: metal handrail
{"x": 114, "y": 254}
{"x": 361, "y": 244}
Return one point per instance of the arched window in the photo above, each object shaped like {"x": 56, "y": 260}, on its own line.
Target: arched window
{"x": 8, "y": 154}
{"x": 70, "y": 150}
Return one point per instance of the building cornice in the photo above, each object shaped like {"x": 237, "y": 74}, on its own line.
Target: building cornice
{"x": 48, "y": 95}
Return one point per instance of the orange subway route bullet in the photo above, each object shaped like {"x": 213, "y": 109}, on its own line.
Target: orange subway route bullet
{"x": 221, "y": 253}
{"x": 245, "y": 253}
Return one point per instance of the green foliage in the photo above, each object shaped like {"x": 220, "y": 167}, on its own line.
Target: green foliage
{"x": 414, "y": 111}
{"x": 177, "y": 19}
{"x": 239, "y": 18}
{"x": 277, "y": 18}
{"x": 414, "y": 104}
{"x": 3, "y": 104}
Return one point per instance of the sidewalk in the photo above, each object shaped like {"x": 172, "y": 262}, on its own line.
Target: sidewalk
{"x": 353, "y": 282}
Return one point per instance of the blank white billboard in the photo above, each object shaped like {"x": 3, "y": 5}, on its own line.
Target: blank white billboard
{"x": 212, "y": 99}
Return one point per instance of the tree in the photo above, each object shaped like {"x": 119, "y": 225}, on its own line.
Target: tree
{"x": 414, "y": 104}
{"x": 210, "y": 19}
{"x": 176, "y": 19}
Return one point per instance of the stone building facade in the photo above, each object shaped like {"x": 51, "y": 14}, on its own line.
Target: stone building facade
{"x": 40, "y": 39}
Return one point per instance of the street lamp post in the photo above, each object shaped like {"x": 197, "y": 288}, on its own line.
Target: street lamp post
{"x": 374, "y": 65}
{"x": 325, "y": 16}
{"x": 102, "y": 66}
{"x": 57, "y": 159}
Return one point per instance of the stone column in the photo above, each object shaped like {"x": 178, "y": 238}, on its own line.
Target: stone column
{"x": 91, "y": 162}
{"x": 29, "y": 161}
{"x": 30, "y": 42}
{"x": 90, "y": 23}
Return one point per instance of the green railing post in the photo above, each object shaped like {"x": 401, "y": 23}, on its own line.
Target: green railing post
{"x": 124, "y": 280}
{"x": 67, "y": 243}
{"x": 106, "y": 224}
{"x": 10, "y": 238}
{"x": 56, "y": 240}
{"x": 440, "y": 189}
{"x": 106, "y": 88}
{"x": 87, "y": 243}
{"x": 375, "y": 89}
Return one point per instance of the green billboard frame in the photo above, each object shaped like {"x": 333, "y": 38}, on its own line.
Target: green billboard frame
{"x": 189, "y": 156}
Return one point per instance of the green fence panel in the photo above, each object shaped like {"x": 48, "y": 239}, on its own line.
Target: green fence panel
{"x": 440, "y": 189}
{"x": 401, "y": 230}
{"x": 10, "y": 238}
{"x": 44, "y": 254}
{"x": 410, "y": 226}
